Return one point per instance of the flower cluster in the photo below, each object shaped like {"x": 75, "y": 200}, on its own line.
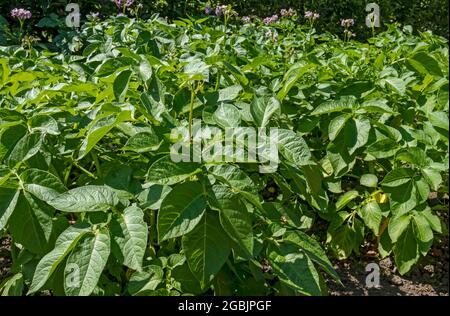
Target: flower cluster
{"x": 287, "y": 13}
{"x": 272, "y": 35}
{"x": 312, "y": 15}
{"x": 271, "y": 19}
{"x": 21, "y": 14}
{"x": 221, "y": 10}
{"x": 246, "y": 19}
{"x": 126, "y": 3}
{"x": 347, "y": 22}
{"x": 208, "y": 10}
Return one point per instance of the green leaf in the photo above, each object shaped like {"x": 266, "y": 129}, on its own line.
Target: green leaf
{"x": 31, "y": 224}
{"x": 227, "y": 115}
{"x": 235, "y": 219}
{"x": 313, "y": 249}
{"x": 372, "y": 215}
{"x": 166, "y": 172}
{"x": 130, "y": 233}
{"x": 397, "y": 177}
{"x": 233, "y": 176}
{"x": 342, "y": 104}
{"x": 294, "y": 268}
{"x": 425, "y": 63}
{"x": 99, "y": 129}
{"x": 406, "y": 251}
{"x": 144, "y": 282}
{"x": 293, "y": 147}
{"x": 44, "y": 124}
{"x": 423, "y": 229}
{"x": 396, "y": 84}
{"x": 8, "y": 201}
{"x": 397, "y": 226}
{"x": 48, "y": 264}
{"x": 345, "y": 199}
{"x": 369, "y": 180}
{"x": 26, "y": 147}
{"x": 291, "y": 77}
{"x": 356, "y": 134}
{"x": 42, "y": 184}
{"x": 336, "y": 125}
{"x": 413, "y": 155}
{"x": 433, "y": 177}
{"x": 263, "y": 108}
{"x": 181, "y": 210}
{"x": 142, "y": 142}
{"x": 90, "y": 198}
{"x": 206, "y": 248}
{"x": 120, "y": 86}
{"x": 86, "y": 263}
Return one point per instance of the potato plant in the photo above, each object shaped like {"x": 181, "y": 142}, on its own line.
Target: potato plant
{"x": 94, "y": 205}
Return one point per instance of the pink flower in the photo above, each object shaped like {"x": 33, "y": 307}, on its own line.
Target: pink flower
{"x": 21, "y": 14}
{"x": 312, "y": 15}
{"x": 270, "y": 20}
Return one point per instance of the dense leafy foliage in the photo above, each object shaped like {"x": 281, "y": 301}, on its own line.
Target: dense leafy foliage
{"x": 95, "y": 205}
{"x": 48, "y": 16}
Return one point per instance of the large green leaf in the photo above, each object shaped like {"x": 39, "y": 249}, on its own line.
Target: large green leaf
{"x": 86, "y": 263}
{"x": 371, "y": 215}
{"x": 90, "y": 198}
{"x": 293, "y": 147}
{"x": 294, "y": 268}
{"x": 48, "y": 264}
{"x": 263, "y": 108}
{"x": 181, "y": 210}
{"x": 130, "y": 233}
{"x": 42, "y": 184}
{"x": 313, "y": 250}
{"x": 235, "y": 219}
{"x": 31, "y": 224}
{"x": 406, "y": 251}
{"x": 166, "y": 172}
{"x": 8, "y": 201}
{"x": 120, "y": 86}
{"x": 206, "y": 248}
{"x": 26, "y": 147}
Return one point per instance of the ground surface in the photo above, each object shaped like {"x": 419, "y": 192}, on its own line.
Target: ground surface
{"x": 429, "y": 278}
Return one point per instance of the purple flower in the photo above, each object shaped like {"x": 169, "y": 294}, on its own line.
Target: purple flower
{"x": 118, "y": 3}
{"x": 21, "y": 14}
{"x": 208, "y": 10}
{"x": 220, "y": 10}
{"x": 312, "y": 15}
{"x": 270, "y": 20}
{"x": 129, "y": 3}
{"x": 246, "y": 19}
